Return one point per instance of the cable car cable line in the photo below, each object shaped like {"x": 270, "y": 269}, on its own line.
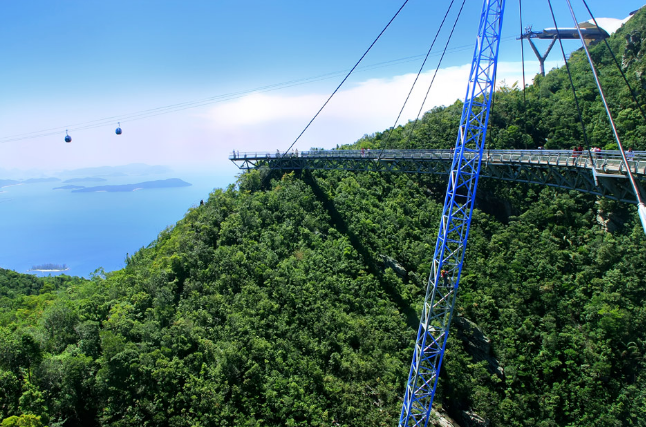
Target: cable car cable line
{"x": 171, "y": 108}
{"x": 178, "y": 107}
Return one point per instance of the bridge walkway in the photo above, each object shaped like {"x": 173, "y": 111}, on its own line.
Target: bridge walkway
{"x": 602, "y": 174}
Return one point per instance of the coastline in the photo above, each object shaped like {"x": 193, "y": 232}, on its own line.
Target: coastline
{"x": 95, "y": 231}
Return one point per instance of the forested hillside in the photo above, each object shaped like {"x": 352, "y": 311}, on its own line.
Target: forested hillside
{"x": 546, "y": 115}
{"x": 294, "y": 299}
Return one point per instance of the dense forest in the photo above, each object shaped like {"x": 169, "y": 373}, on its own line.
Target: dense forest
{"x": 294, "y": 299}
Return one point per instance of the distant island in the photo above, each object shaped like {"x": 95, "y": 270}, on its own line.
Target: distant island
{"x": 69, "y": 187}
{"x": 162, "y": 183}
{"x": 133, "y": 169}
{"x": 39, "y": 180}
{"x": 87, "y": 179}
{"x": 49, "y": 267}
{"x": 9, "y": 182}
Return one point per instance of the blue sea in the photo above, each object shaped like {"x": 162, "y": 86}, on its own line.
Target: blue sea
{"x": 85, "y": 231}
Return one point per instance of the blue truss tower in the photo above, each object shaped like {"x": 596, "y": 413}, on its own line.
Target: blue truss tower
{"x": 442, "y": 285}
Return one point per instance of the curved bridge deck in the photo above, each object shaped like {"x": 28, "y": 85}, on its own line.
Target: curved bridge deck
{"x": 603, "y": 174}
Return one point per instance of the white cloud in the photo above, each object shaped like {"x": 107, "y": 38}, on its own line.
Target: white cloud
{"x": 262, "y": 122}
{"x": 609, "y": 24}
{"x": 257, "y": 122}
{"x": 365, "y": 100}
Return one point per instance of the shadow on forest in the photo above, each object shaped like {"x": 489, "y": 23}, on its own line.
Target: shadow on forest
{"x": 373, "y": 266}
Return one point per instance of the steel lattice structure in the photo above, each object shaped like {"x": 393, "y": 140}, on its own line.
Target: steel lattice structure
{"x": 444, "y": 278}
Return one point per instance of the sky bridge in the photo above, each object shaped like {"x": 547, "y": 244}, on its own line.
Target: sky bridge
{"x": 602, "y": 174}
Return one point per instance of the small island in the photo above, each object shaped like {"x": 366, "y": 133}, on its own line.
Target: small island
{"x": 86, "y": 179}
{"x": 8, "y": 182}
{"x": 69, "y": 187}
{"x": 11, "y": 182}
{"x": 39, "y": 180}
{"x": 49, "y": 267}
{"x": 162, "y": 183}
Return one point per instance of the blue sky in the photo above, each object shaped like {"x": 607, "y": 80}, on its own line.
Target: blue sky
{"x": 66, "y": 63}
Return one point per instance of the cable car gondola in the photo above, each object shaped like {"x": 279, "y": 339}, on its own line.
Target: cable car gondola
{"x": 118, "y": 131}
{"x": 67, "y": 137}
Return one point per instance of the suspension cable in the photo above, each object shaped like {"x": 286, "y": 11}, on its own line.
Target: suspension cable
{"x": 348, "y": 75}
{"x": 632, "y": 92}
{"x": 491, "y": 118}
{"x": 641, "y": 207}
{"x": 567, "y": 66}
{"x": 421, "y": 107}
{"x": 522, "y": 44}
{"x": 421, "y": 68}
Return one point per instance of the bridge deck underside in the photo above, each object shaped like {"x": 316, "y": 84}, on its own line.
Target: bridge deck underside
{"x": 602, "y": 177}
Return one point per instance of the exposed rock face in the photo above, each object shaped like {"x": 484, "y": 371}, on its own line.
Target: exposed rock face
{"x": 604, "y": 222}
{"x": 392, "y": 263}
{"x": 471, "y": 419}
{"x": 610, "y": 221}
{"x": 479, "y": 348}
{"x": 478, "y": 345}
{"x": 633, "y": 48}
{"x": 467, "y": 419}
{"x": 442, "y": 419}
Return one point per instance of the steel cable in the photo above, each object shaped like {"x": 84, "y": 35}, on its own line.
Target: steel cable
{"x": 632, "y": 92}
{"x": 567, "y": 67}
{"x": 434, "y": 75}
{"x": 419, "y": 72}
{"x": 522, "y": 44}
{"x": 605, "y": 104}
{"x": 348, "y": 75}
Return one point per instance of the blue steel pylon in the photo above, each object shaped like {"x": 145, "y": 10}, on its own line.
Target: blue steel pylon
{"x": 442, "y": 288}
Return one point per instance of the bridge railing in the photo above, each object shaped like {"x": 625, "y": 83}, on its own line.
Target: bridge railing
{"x": 606, "y": 161}
{"x": 358, "y": 154}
